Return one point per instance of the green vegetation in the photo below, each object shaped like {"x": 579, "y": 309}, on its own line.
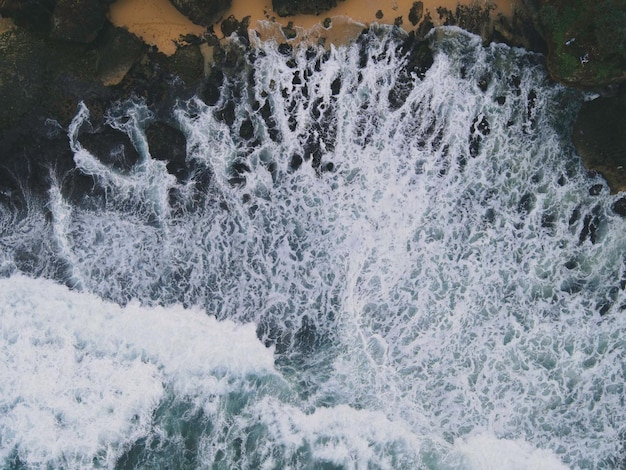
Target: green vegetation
{"x": 587, "y": 40}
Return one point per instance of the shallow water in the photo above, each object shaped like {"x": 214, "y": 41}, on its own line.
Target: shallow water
{"x": 393, "y": 270}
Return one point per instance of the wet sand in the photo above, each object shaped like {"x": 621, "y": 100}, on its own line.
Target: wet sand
{"x": 158, "y": 23}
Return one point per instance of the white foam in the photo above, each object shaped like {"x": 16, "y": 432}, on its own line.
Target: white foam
{"x": 80, "y": 378}
{"x": 486, "y": 452}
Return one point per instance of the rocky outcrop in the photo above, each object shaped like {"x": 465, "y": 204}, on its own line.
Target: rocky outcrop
{"x": 37, "y": 73}
{"x": 68, "y": 20}
{"x": 78, "y": 20}
{"x": 473, "y": 18}
{"x": 202, "y": 12}
{"x": 586, "y": 41}
{"x": 22, "y": 81}
{"x": 31, "y": 14}
{"x": 520, "y": 30}
{"x": 65, "y": 51}
{"x": 41, "y": 83}
{"x": 586, "y": 48}
{"x": 307, "y": 7}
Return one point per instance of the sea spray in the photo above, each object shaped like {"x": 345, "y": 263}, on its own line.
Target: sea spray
{"x": 436, "y": 265}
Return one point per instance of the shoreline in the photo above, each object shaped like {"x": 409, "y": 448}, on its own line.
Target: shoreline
{"x": 160, "y": 24}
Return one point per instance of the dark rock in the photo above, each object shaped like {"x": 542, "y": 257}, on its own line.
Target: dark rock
{"x": 522, "y": 30}
{"x": 531, "y": 102}
{"x": 425, "y": 26}
{"x": 246, "y": 130}
{"x": 379, "y": 15}
{"x": 599, "y": 136}
{"x": 574, "y": 217}
{"x": 619, "y": 206}
{"x": 473, "y": 18}
{"x": 210, "y": 93}
{"x": 229, "y": 26}
{"x": 192, "y": 39}
{"x": 31, "y": 14}
{"x": 110, "y": 146}
{"x": 238, "y": 171}
{"x": 516, "y": 83}
{"x": 166, "y": 143}
{"x": 78, "y": 20}
{"x": 226, "y": 114}
{"x": 482, "y": 125}
{"x": 202, "y": 12}
{"x": 306, "y": 337}
{"x": 40, "y": 78}
{"x": 117, "y": 52}
{"x": 483, "y": 82}
{"x": 419, "y": 59}
{"x": 590, "y": 228}
{"x": 479, "y": 129}
{"x": 307, "y": 7}
{"x": 416, "y": 12}
{"x": 285, "y": 49}
{"x": 596, "y": 189}
{"x": 296, "y": 78}
{"x": 327, "y": 23}
{"x": 490, "y": 216}
{"x": 335, "y": 86}
{"x": 526, "y": 204}
{"x": 397, "y": 21}
{"x": 501, "y": 100}
{"x": 22, "y": 61}
{"x": 288, "y": 31}
{"x": 296, "y": 162}
{"x": 187, "y": 63}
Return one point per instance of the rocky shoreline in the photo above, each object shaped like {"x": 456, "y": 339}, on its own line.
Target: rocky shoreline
{"x": 56, "y": 53}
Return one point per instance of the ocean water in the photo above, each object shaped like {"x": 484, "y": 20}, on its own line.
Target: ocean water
{"x": 361, "y": 266}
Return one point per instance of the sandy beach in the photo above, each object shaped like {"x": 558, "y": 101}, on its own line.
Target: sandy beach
{"x": 158, "y": 23}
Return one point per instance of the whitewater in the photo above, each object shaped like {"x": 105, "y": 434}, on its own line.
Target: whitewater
{"x": 363, "y": 264}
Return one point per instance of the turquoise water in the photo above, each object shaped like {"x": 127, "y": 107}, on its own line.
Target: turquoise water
{"x": 424, "y": 282}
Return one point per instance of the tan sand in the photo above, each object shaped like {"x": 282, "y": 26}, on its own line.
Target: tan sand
{"x": 158, "y": 23}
